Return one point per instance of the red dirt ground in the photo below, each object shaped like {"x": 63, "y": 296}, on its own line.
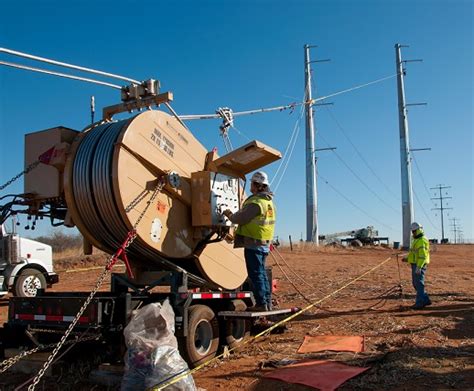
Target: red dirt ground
{"x": 406, "y": 349}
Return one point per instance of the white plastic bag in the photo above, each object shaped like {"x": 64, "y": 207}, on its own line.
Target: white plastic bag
{"x": 152, "y": 355}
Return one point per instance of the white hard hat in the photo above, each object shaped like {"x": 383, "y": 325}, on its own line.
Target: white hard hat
{"x": 415, "y": 226}
{"x": 260, "y": 177}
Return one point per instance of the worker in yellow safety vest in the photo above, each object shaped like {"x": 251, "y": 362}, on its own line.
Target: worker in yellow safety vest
{"x": 419, "y": 258}
{"x": 256, "y": 220}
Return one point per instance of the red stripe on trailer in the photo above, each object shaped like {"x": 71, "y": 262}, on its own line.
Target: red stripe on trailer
{"x": 24, "y": 316}
{"x": 54, "y": 318}
{"x": 216, "y": 295}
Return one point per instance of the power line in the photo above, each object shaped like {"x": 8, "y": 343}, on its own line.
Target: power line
{"x": 285, "y": 107}
{"x": 182, "y": 117}
{"x": 240, "y": 133}
{"x": 360, "y": 179}
{"x": 288, "y": 159}
{"x": 288, "y": 146}
{"x": 291, "y": 141}
{"x": 339, "y": 126}
{"x": 297, "y": 128}
{"x": 428, "y": 192}
{"x": 421, "y": 176}
{"x": 424, "y": 211}
{"x": 356, "y": 206}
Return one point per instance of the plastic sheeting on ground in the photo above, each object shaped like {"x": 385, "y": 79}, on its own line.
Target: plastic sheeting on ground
{"x": 321, "y": 374}
{"x": 337, "y": 343}
{"x": 152, "y": 354}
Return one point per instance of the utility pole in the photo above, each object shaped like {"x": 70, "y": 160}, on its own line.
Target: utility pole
{"x": 442, "y": 208}
{"x": 405, "y": 160}
{"x": 456, "y": 230}
{"x": 312, "y": 234}
{"x": 312, "y": 228}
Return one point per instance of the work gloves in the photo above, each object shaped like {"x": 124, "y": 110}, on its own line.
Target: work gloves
{"x": 418, "y": 270}
{"x": 227, "y": 213}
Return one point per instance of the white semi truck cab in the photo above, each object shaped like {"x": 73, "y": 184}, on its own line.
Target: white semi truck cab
{"x": 25, "y": 265}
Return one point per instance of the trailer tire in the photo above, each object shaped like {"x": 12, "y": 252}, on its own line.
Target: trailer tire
{"x": 202, "y": 341}
{"x": 356, "y": 243}
{"x": 28, "y": 282}
{"x": 236, "y": 330}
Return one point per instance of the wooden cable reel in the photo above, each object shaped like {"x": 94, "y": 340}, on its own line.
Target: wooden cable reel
{"x": 117, "y": 162}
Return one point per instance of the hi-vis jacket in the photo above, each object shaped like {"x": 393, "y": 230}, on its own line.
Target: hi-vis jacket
{"x": 262, "y": 226}
{"x": 419, "y": 250}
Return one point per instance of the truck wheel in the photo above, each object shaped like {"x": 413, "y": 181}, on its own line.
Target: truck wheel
{"x": 236, "y": 330}
{"x": 28, "y": 282}
{"x": 356, "y": 243}
{"x": 202, "y": 341}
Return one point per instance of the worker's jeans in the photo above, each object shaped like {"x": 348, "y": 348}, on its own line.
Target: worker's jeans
{"x": 418, "y": 280}
{"x": 255, "y": 260}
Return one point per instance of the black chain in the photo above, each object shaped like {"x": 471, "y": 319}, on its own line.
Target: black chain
{"x": 4, "y": 365}
{"x": 25, "y": 171}
{"x": 99, "y": 282}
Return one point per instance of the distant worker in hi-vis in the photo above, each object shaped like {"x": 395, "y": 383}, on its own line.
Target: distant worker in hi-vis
{"x": 419, "y": 258}
{"x": 256, "y": 220}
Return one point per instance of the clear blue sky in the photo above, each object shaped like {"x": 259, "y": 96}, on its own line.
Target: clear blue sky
{"x": 249, "y": 54}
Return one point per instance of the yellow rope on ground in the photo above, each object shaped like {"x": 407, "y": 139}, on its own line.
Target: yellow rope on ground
{"x": 86, "y": 269}
{"x": 177, "y": 378}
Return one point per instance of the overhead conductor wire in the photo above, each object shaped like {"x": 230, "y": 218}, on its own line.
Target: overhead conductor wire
{"x": 339, "y": 126}
{"x": 427, "y": 191}
{"x": 65, "y": 75}
{"x": 356, "y": 206}
{"x": 69, "y": 76}
{"x": 66, "y": 65}
{"x": 285, "y": 107}
{"x": 360, "y": 179}
{"x": 424, "y": 211}
{"x": 289, "y": 151}
{"x": 182, "y": 117}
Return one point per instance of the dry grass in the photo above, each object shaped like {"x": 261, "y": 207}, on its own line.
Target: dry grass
{"x": 68, "y": 251}
{"x": 60, "y": 241}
